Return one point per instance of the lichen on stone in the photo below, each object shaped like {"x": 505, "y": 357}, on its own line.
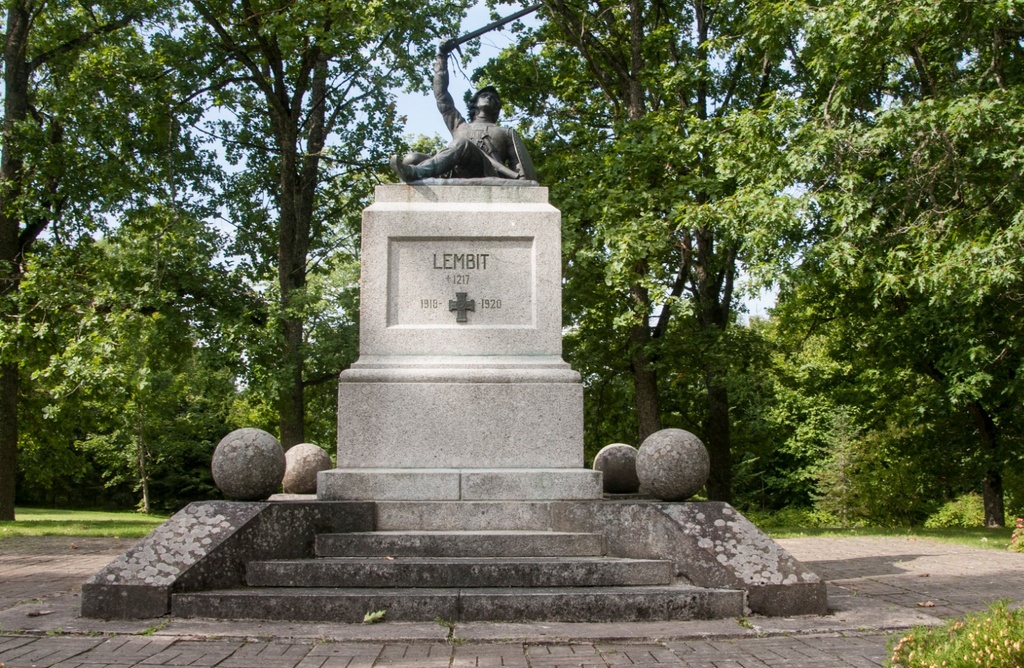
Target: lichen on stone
{"x": 737, "y": 544}
{"x": 176, "y": 545}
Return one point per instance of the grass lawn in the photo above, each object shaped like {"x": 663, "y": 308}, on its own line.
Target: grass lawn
{"x": 993, "y": 539}
{"x": 50, "y": 522}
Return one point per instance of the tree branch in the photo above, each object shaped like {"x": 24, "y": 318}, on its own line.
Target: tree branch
{"x": 79, "y": 41}
{"x": 241, "y": 56}
{"x": 674, "y": 292}
{"x": 320, "y": 380}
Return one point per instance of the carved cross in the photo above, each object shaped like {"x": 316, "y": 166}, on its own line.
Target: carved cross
{"x": 460, "y": 305}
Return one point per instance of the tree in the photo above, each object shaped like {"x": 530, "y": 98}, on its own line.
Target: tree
{"x": 77, "y": 127}
{"x": 305, "y": 92}
{"x": 660, "y": 133}
{"x": 859, "y": 443}
{"x": 133, "y": 360}
{"x": 915, "y": 178}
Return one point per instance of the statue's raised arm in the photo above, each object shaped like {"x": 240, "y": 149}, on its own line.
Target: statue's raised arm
{"x": 479, "y": 148}
{"x": 445, "y": 103}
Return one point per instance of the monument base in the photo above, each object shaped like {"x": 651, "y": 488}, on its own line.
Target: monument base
{"x": 510, "y": 561}
{"x": 451, "y": 429}
{"x": 458, "y": 484}
{"x": 460, "y": 492}
{"x": 445, "y": 417}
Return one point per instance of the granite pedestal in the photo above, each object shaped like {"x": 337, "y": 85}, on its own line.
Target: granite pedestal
{"x": 460, "y": 391}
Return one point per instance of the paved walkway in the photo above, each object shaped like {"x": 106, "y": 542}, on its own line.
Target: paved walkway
{"x": 877, "y": 586}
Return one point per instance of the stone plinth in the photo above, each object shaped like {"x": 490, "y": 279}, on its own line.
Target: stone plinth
{"x": 460, "y": 391}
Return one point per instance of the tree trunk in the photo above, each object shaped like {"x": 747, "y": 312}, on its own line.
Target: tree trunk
{"x": 292, "y": 407}
{"x": 291, "y": 275}
{"x": 8, "y": 439}
{"x": 992, "y": 483}
{"x": 636, "y": 104}
{"x": 992, "y": 496}
{"x": 645, "y": 379}
{"x": 300, "y": 177}
{"x": 714, "y": 305}
{"x": 144, "y": 477}
{"x": 645, "y": 386}
{"x": 15, "y": 111}
{"x": 291, "y": 278}
{"x": 719, "y": 441}
{"x": 140, "y": 445}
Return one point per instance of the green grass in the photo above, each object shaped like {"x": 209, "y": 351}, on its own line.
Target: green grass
{"x": 994, "y": 539}
{"x": 50, "y": 522}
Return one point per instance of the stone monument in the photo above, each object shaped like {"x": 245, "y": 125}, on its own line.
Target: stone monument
{"x": 460, "y": 391}
{"x": 460, "y": 491}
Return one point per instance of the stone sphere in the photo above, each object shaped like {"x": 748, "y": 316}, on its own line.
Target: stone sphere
{"x": 302, "y": 463}
{"x": 672, "y": 465}
{"x": 618, "y": 464}
{"x": 248, "y": 465}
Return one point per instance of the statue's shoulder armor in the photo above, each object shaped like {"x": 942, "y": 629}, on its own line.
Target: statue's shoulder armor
{"x": 491, "y": 138}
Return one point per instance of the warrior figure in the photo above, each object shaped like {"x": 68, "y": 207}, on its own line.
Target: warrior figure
{"x": 479, "y": 148}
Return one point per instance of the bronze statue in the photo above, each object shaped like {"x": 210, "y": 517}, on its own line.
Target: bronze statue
{"x": 479, "y": 148}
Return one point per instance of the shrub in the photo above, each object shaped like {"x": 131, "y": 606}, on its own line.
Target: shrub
{"x": 880, "y": 478}
{"x": 792, "y": 517}
{"x": 993, "y": 639}
{"x": 1017, "y": 539}
{"x": 966, "y": 511}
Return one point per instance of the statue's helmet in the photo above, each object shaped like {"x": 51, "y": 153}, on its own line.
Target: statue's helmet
{"x": 476, "y": 96}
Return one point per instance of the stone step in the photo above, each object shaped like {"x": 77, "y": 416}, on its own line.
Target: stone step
{"x": 460, "y": 544}
{"x": 591, "y": 604}
{"x": 459, "y": 572}
{"x": 463, "y": 516}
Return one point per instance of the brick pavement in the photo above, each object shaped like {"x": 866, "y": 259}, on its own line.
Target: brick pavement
{"x": 876, "y": 585}
{"x": 32, "y": 567}
{"x": 907, "y": 572}
{"x": 796, "y": 652}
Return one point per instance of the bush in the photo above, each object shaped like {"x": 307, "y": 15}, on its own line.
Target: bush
{"x": 966, "y": 511}
{"x": 993, "y": 639}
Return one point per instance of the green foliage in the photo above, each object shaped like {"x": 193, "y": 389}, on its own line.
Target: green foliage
{"x": 90, "y": 133}
{"x": 864, "y": 447}
{"x": 780, "y": 467}
{"x": 132, "y": 371}
{"x": 790, "y": 518}
{"x": 302, "y": 94}
{"x": 888, "y": 484}
{"x": 48, "y": 522}
{"x": 131, "y": 331}
{"x": 994, "y": 639}
{"x": 863, "y": 155}
{"x": 836, "y": 474}
{"x": 664, "y": 154}
{"x": 913, "y": 180}
{"x": 966, "y": 510}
